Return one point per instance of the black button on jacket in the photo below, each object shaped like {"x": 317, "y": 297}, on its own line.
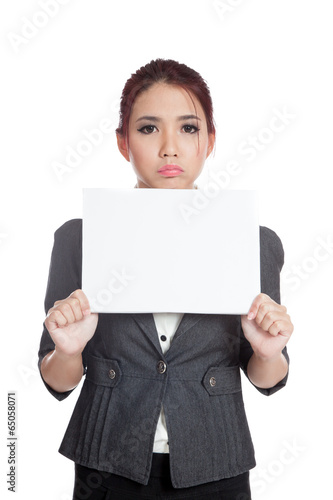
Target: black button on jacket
{"x": 128, "y": 378}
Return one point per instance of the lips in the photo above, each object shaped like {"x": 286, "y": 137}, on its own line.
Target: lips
{"x": 172, "y": 168}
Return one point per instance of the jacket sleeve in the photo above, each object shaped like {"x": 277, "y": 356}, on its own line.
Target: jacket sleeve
{"x": 65, "y": 276}
{"x": 271, "y": 263}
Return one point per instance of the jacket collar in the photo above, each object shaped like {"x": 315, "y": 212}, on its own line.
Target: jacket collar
{"x": 147, "y": 323}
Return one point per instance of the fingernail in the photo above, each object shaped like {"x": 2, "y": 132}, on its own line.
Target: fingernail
{"x": 86, "y": 312}
{"x": 250, "y": 315}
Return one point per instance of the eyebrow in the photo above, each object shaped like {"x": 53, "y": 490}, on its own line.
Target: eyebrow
{"x": 179, "y": 118}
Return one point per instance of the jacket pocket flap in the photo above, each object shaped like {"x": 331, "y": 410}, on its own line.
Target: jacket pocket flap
{"x": 220, "y": 380}
{"x": 102, "y": 371}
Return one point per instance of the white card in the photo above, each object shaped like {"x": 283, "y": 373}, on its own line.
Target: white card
{"x": 170, "y": 250}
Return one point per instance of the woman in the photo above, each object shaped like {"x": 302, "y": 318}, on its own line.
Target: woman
{"x": 161, "y": 414}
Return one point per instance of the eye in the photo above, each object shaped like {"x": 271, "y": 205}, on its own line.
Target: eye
{"x": 147, "y": 129}
{"x": 190, "y": 129}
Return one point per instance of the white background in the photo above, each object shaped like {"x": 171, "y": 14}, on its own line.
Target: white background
{"x": 258, "y": 56}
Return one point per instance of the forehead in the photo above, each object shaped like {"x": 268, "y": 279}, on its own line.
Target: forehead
{"x": 167, "y": 99}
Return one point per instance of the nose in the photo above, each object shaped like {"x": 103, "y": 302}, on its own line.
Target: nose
{"x": 167, "y": 155}
{"x": 169, "y": 147}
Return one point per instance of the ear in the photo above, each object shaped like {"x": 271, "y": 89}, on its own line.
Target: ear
{"x": 211, "y": 142}
{"x": 122, "y": 146}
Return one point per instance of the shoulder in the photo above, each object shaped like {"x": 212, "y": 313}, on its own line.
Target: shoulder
{"x": 68, "y": 240}
{"x": 271, "y": 262}
{"x": 70, "y": 228}
{"x": 271, "y": 245}
{"x": 70, "y": 232}
{"x": 65, "y": 272}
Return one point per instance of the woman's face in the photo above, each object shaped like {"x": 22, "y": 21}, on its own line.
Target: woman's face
{"x": 168, "y": 138}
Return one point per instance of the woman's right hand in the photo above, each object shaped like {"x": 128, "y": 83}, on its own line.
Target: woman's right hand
{"x": 71, "y": 324}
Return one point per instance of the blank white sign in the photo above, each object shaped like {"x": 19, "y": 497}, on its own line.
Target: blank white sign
{"x": 170, "y": 250}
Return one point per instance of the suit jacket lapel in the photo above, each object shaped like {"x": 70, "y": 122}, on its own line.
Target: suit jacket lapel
{"x": 147, "y": 323}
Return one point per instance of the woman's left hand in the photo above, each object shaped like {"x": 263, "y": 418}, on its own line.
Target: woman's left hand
{"x": 267, "y": 327}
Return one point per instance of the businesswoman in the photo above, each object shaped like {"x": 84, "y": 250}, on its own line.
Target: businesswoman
{"x": 160, "y": 413}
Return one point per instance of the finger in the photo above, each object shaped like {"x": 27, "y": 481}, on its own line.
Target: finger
{"x": 265, "y": 309}
{"x": 256, "y": 304}
{"x": 272, "y": 310}
{"x": 273, "y": 315}
{"x": 84, "y": 302}
{"x": 267, "y": 320}
{"x": 282, "y": 327}
{"x": 76, "y": 307}
{"x": 67, "y": 311}
{"x": 55, "y": 319}
{"x": 81, "y": 297}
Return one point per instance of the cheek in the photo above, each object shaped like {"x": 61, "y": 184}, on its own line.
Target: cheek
{"x": 139, "y": 153}
{"x": 198, "y": 150}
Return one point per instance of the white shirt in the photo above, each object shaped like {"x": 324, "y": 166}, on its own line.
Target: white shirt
{"x": 166, "y": 326}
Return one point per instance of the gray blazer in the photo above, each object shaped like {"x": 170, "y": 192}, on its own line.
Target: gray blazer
{"x": 128, "y": 378}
